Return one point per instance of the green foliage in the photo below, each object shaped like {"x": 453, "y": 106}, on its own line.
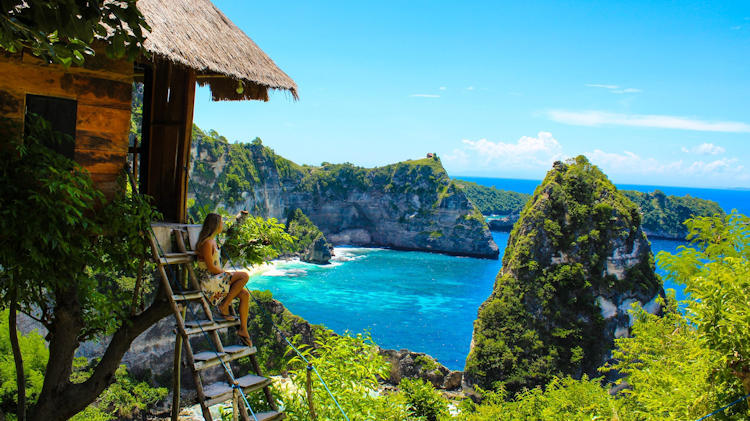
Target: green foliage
{"x": 542, "y": 320}
{"x": 350, "y": 366}
{"x": 492, "y": 201}
{"x": 124, "y": 398}
{"x": 252, "y": 240}
{"x": 35, "y": 354}
{"x": 77, "y": 241}
{"x": 426, "y": 362}
{"x": 63, "y": 31}
{"x": 304, "y": 231}
{"x": 716, "y": 274}
{"x": 562, "y": 399}
{"x": 671, "y": 375}
{"x": 665, "y": 215}
{"x": 423, "y": 400}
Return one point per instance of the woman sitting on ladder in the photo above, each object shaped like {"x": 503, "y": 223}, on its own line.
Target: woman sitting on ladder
{"x": 219, "y": 286}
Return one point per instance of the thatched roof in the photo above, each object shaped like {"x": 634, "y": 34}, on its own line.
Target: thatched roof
{"x": 196, "y": 34}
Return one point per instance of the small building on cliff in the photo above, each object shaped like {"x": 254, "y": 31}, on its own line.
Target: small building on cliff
{"x": 191, "y": 41}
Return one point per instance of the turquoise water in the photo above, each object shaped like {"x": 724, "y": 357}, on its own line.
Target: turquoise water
{"x": 424, "y": 302}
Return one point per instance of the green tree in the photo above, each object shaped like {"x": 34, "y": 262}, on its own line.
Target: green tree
{"x": 65, "y": 31}
{"x": 669, "y": 372}
{"x": 716, "y": 272}
{"x": 66, "y": 256}
{"x": 423, "y": 400}
{"x": 350, "y": 365}
{"x": 563, "y": 398}
{"x": 251, "y": 240}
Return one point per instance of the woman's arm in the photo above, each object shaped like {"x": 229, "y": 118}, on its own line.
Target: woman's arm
{"x": 206, "y": 252}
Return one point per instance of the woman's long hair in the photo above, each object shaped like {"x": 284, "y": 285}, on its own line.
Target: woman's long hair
{"x": 210, "y": 226}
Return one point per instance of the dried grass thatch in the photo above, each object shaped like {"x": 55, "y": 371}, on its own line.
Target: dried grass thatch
{"x": 196, "y": 34}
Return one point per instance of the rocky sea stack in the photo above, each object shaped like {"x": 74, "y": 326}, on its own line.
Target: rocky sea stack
{"x": 576, "y": 260}
{"x": 410, "y": 205}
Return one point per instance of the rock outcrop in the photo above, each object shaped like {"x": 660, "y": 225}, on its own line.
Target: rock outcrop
{"x": 311, "y": 245}
{"x": 576, "y": 260}
{"x": 408, "y": 364}
{"x": 412, "y": 205}
{"x": 502, "y": 223}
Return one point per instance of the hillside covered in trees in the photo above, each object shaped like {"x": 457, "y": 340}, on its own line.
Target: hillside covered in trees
{"x": 663, "y": 216}
{"x": 411, "y": 205}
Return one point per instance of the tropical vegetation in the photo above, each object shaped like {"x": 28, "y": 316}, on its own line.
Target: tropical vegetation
{"x": 492, "y": 201}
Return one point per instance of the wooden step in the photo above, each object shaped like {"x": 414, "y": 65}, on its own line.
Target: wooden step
{"x": 187, "y": 296}
{"x": 220, "y": 392}
{"x": 193, "y": 327}
{"x": 268, "y": 416}
{"x": 207, "y": 355}
{"x": 177, "y": 258}
{"x": 202, "y": 365}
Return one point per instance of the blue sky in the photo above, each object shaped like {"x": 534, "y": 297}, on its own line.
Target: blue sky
{"x": 652, "y": 92}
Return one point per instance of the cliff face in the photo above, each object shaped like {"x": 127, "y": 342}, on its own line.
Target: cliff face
{"x": 411, "y": 205}
{"x": 575, "y": 261}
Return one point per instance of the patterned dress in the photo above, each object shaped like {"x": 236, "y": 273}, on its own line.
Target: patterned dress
{"x": 214, "y": 286}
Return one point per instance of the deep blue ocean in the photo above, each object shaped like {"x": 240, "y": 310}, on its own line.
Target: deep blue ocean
{"x": 424, "y": 302}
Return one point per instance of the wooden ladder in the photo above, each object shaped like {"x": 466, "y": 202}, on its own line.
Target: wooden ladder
{"x": 170, "y": 248}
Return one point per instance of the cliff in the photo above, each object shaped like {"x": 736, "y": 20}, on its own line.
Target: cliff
{"x": 575, "y": 261}
{"x": 411, "y": 205}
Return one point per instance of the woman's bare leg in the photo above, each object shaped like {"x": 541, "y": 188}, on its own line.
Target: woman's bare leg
{"x": 244, "y": 310}
{"x": 237, "y": 289}
{"x": 237, "y": 284}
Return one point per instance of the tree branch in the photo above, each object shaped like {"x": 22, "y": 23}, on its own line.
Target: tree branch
{"x": 75, "y": 397}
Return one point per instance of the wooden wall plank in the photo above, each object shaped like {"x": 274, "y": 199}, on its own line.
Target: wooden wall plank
{"x": 38, "y": 80}
{"x": 103, "y": 120}
{"x": 11, "y": 104}
{"x": 100, "y": 141}
{"x": 98, "y": 66}
{"x": 99, "y": 161}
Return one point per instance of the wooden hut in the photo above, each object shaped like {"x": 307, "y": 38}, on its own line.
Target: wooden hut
{"x": 190, "y": 41}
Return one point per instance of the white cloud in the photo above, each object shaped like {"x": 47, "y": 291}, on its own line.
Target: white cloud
{"x": 631, "y": 163}
{"x": 603, "y": 86}
{"x": 705, "y": 149}
{"x": 626, "y": 91}
{"x": 442, "y": 88}
{"x": 595, "y": 118}
{"x": 470, "y": 88}
{"x": 528, "y": 152}
{"x": 424, "y": 96}
{"x": 615, "y": 89}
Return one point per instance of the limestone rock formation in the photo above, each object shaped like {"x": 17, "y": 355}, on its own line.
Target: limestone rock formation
{"x": 412, "y": 205}
{"x": 311, "y": 244}
{"x": 408, "y": 364}
{"x": 575, "y": 261}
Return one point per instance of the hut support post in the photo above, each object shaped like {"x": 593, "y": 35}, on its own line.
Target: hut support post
{"x": 308, "y": 389}
{"x": 176, "y": 373}
{"x": 168, "y": 120}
